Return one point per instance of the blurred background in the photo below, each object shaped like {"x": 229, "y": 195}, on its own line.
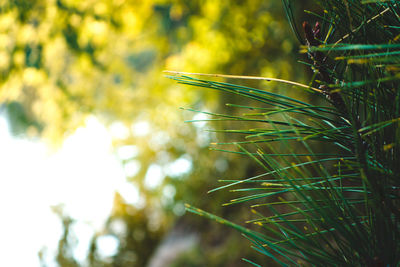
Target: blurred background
{"x": 97, "y": 162}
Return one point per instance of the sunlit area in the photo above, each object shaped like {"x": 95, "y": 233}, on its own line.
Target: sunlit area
{"x": 38, "y": 184}
{"x": 100, "y": 151}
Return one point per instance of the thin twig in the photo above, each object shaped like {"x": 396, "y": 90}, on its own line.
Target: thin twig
{"x": 368, "y": 21}
{"x": 244, "y": 77}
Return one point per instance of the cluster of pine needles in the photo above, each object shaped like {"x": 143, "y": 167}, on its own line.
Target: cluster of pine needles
{"x": 339, "y": 206}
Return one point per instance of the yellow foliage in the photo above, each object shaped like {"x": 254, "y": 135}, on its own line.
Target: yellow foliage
{"x": 65, "y": 59}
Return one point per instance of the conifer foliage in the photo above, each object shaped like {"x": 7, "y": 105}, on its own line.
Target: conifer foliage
{"x": 328, "y": 188}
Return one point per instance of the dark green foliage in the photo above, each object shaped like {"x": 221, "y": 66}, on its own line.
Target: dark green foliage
{"x": 327, "y": 191}
{"x": 22, "y": 122}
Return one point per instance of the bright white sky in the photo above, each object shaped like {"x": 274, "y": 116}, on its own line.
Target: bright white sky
{"x": 83, "y": 174}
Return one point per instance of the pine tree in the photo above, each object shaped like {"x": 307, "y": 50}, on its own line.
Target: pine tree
{"x": 329, "y": 184}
